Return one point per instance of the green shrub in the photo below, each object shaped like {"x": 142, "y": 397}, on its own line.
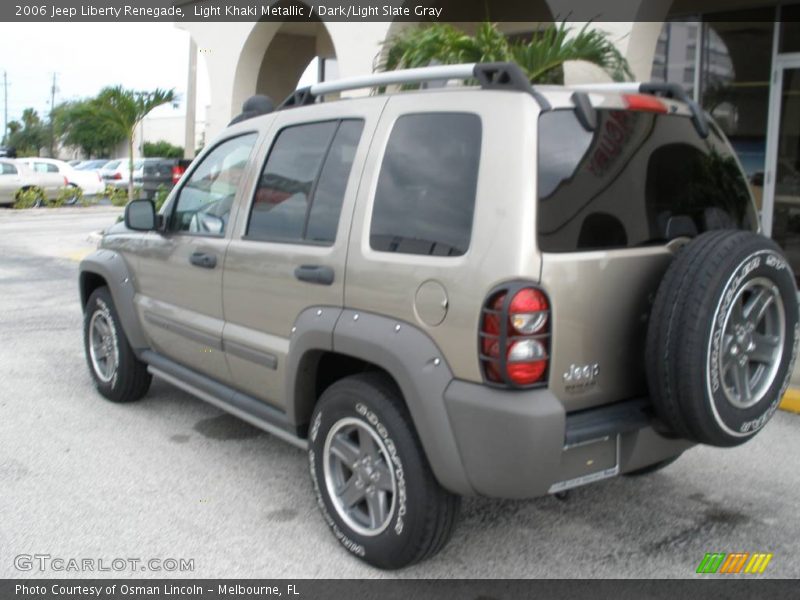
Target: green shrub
{"x": 66, "y": 194}
{"x": 117, "y": 196}
{"x": 28, "y": 198}
{"x": 162, "y": 149}
{"x": 160, "y": 197}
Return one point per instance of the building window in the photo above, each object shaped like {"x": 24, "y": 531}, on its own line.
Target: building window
{"x": 735, "y": 81}
{"x": 675, "y": 57}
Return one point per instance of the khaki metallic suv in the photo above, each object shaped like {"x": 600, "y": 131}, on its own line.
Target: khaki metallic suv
{"x": 496, "y": 290}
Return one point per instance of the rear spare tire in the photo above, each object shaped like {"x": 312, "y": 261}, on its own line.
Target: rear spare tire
{"x": 722, "y": 337}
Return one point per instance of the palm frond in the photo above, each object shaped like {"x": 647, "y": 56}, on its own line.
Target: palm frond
{"x": 542, "y": 57}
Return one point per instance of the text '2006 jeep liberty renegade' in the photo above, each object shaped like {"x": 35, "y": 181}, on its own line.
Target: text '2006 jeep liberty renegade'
{"x": 497, "y": 289}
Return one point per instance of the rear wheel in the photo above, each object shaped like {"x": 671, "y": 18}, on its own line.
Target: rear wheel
{"x": 76, "y": 195}
{"x": 117, "y": 373}
{"x": 373, "y": 483}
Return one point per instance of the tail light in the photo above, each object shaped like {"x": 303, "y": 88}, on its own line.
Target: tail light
{"x": 514, "y": 340}
{"x": 99, "y": 177}
{"x": 177, "y": 173}
{"x": 117, "y": 175}
{"x": 644, "y": 103}
{"x": 66, "y": 182}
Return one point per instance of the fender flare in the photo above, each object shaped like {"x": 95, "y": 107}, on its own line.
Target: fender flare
{"x": 111, "y": 266}
{"x": 409, "y": 356}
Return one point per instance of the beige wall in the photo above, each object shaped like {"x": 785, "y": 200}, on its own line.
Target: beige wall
{"x": 248, "y": 58}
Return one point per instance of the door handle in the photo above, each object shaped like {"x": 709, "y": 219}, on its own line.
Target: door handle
{"x": 203, "y": 259}
{"x": 315, "y": 274}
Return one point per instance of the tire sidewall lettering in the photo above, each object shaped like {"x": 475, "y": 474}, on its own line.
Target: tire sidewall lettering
{"x": 320, "y": 425}
{"x": 757, "y": 261}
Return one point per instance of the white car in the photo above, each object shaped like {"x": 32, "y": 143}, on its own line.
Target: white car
{"x": 16, "y": 176}
{"x": 89, "y": 182}
{"x": 116, "y": 172}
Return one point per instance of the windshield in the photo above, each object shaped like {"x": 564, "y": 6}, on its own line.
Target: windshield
{"x": 640, "y": 178}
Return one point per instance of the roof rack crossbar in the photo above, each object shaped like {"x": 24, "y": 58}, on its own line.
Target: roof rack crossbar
{"x": 493, "y": 76}
{"x": 654, "y": 88}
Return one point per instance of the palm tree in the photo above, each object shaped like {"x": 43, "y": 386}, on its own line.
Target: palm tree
{"x": 542, "y": 57}
{"x": 120, "y": 110}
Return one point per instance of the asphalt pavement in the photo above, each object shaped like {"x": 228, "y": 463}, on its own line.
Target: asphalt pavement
{"x": 171, "y": 477}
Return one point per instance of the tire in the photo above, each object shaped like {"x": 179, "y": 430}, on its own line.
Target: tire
{"x": 117, "y": 373}
{"x": 72, "y": 201}
{"x": 722, "y": 338}
{"x": 652, "y": 468}
{"x": 364, "y": 416}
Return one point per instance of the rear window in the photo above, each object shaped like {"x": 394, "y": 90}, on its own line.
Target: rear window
{"x": 640, "y": 178}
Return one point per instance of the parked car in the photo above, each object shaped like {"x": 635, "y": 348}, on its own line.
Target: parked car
{"x": 116, "y": 172}
{"x": 159, "y": 173}
{"x": 504, "y": 290}
{"x": 89, "y": 182}
{"x": 95, "y": 164}
{"x": 16, "y": 177}
{"x": 7, "y": 152}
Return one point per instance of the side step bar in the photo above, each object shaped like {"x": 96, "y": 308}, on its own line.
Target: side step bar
{"x": 240, "y": 405}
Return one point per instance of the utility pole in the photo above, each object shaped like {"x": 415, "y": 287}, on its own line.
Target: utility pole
{"x": 52, "y": 107}
{"x": 191, "y": 102}
{"x": 5, "y": 110}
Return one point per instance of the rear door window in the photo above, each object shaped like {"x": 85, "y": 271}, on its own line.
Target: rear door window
{"x": 640, "y": 178}
{"x": 302, "y": 186}
{"x": 425, "y": 199}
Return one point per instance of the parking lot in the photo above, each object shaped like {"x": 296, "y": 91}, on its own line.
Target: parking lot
{"x": 172, "y": 477}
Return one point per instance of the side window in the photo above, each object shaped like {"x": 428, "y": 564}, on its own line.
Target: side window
{"x": 425, "y": 198}
{"x": 51, "y": 168}
{"x": 205, "y": 200}
{"x": 8, "y": 169}
{"x": 301, "y": 188}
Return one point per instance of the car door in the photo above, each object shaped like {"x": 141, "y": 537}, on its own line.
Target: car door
{"x": 9, "y": 182}
{"x": 179, "y": 270}
{"x": 48, "y": 177}
{"x": 289, "y": 249}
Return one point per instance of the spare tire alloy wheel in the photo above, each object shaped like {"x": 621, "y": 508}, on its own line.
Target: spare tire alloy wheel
{"x": 722, "y": 338}
{"x": 752, "y": 343}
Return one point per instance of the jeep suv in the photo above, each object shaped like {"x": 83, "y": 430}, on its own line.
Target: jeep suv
{"x": 490, "y": 289}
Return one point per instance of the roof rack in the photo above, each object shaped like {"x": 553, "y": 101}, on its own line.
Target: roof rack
{"x": 491, "y": 76}
{"x": 653, "y": 88}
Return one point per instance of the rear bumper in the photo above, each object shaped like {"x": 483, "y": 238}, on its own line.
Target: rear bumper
{"x": 522, "y": 444}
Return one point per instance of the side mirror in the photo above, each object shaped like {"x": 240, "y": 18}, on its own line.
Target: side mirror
{"x": 140, "y": 215}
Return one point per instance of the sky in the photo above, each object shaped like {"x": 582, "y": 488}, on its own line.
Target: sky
{"x": 89, "y": 56}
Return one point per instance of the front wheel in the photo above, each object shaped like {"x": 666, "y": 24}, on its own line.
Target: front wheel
{"x": 117, "y": 373}
{"x": 373, "y": 483}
